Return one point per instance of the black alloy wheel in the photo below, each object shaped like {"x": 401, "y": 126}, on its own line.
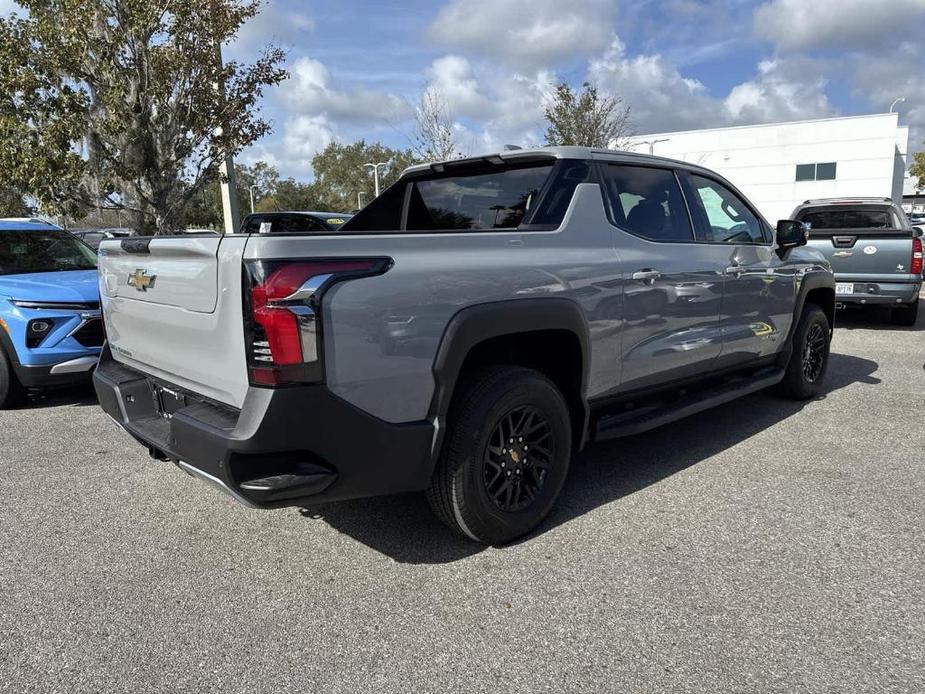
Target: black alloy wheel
{"x": 815, "y": 351}
{"x": 517, "y": 458}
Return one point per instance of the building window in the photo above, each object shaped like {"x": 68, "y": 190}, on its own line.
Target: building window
{"x": 816, "y": 172}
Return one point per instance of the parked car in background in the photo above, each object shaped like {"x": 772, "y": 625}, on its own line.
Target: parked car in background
{"x": 50, "y": 326}
{"x": 294, "y": 222}
{"x": 93, "y": 237}
{"x": 465, "y": 334}
{"x": 875, "y": 252}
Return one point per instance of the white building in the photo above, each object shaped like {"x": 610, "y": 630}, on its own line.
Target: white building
{"x": 779, "y": 165}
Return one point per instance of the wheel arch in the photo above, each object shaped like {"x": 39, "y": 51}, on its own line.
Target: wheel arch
{"x": 496, "y": 333}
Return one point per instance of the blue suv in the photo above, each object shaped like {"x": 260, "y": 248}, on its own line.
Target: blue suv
{"x": 51, "y": 330}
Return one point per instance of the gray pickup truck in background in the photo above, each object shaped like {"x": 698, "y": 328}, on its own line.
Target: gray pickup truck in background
{"x": 875, "y": 253}
{"x": 464, "y": 334}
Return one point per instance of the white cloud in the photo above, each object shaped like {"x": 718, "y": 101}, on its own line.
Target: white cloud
{"x": 659, "y": 96}
{"x": 791, "y": 89}
{"x": 490, "y": 106}
{"x": 528, "y": 33}
{"x": 844, "y": 24}
{"x": 303, "y": 138}
{"x": 883, "y": 78}
{"x": 272, "y": 25}
{"x": 309, "y": 91}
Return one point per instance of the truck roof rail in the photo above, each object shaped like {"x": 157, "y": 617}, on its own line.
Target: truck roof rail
{"x": 858, "y": 198}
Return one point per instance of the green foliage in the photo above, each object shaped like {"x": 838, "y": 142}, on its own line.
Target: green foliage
{"x": 586, "y": 119}
{"x": 126, "y": 101}
{"x": 340, "y": 173}
{"x": 918, "y": 169}
{"x": 13, "y": 204}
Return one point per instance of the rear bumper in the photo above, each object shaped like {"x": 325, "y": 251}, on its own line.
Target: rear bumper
{"x": 869, "y": 292}
{"x": 323, "y": 447}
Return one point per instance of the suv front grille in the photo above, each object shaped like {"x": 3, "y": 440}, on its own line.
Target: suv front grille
{"x": 91, "y": 333}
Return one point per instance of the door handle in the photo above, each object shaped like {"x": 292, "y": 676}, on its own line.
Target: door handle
{"x": 736, "y": 270}
{"x": 647, "y": 275}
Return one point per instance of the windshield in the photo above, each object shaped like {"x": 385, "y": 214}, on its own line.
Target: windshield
{"x": 23, "y": 252}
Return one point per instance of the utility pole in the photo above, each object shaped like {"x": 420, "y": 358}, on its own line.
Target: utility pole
{"x": 652, "y": 143}
{"x": 252, "y": 197}
{"x": 375, "y": 168}
{"x": 230, "y": 208}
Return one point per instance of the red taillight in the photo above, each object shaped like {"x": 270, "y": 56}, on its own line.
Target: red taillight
{"x": 917, "y": 256}
{"x": 284, "y": 326}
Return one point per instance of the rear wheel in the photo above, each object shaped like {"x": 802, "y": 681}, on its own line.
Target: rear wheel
{"x": 906, "y": 315}
{"x": 810, "y": 357}
{"x": 505, "y": 457}
{"x": 12, "y": 392}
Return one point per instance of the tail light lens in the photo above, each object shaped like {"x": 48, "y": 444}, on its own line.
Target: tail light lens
{"x": 283, "y": 311}
{"x": 917, "y": 257}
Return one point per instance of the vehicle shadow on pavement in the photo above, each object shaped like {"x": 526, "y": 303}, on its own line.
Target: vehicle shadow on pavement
{"x": 74, "y": 396}
{"x": 873, "y": 318}
{"x": 403, "y": 527}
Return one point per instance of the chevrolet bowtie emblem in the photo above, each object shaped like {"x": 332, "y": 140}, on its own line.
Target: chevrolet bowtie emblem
{"x": 843, "y": 254}
{"x": 141, "y": 280}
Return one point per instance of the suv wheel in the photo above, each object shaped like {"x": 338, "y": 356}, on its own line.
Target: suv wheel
{"x": 505, "y": 457}
{"x": 11, "y": 391}
{"x": 905, "y": 315}
{"x": 810, "y": 357}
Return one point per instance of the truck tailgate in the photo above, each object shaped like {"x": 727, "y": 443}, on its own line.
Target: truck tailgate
{"x": 172, "y": 308}
{"x": 866, "y": 254}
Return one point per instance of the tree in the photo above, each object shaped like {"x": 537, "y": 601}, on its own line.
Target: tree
{"x": 125, "y": 102}
{"x": 340, "y": 173}
{"x": 918, "y": 169}
{"x": 434, "y": 136}
{"x": 586, "y": 119}
{"x": 13, "y": 204}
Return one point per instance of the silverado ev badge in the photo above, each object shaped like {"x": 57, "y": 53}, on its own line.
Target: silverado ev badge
{"x": 141, "y": 280}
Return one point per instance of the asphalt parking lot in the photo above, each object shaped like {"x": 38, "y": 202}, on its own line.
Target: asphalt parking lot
{"x": 762, "y": 546}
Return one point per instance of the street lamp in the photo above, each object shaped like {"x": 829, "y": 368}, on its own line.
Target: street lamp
{"x": 375, "y": 168}
{"x": 652, "y": 143}
{"x": 896, "y": 101}
{"x": 252, "y": 197}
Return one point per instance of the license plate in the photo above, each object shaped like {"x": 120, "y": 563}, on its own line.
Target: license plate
{"x": 844, "y": 288}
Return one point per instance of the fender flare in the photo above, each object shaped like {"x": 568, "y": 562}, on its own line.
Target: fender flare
{"x": 476, "y": 324}
{"x": 817, "y": 279}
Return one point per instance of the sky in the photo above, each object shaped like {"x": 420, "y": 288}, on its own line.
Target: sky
{"x": 359, "y": 67}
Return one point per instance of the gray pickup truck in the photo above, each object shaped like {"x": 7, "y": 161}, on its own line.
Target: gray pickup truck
{"x": 464, "y": 334}
{"x": 874, "y": 251}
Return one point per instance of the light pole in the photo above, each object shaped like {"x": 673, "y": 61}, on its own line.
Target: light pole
{"x": 252, "y": 196}
{"x": 896, "y": 101}
{"x": 652, "y": 143}
{"x": 375, "y": 168}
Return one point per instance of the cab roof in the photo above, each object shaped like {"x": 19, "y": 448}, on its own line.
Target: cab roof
{"x": 515, "y": 155}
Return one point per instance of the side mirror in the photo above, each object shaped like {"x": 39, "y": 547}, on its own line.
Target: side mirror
{"x": 791, "y": 234}
{"x": 918, "y": 231}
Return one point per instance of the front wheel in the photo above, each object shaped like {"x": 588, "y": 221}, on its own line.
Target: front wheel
{"x": 810, "y": 358}
{"x": 505, "y": 457}
{"x": 12, "y": 392}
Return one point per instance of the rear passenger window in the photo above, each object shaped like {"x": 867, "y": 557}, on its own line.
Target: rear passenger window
{"x": 647, "y": 202}
{"x": 724, "y": 216}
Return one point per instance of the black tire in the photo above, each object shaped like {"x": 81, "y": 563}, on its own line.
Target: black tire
{"x": 810, "y": 358}
{"x": 906, "y": 315}
{"x": 466, "y": 492}
{"x": 12, "y": 392}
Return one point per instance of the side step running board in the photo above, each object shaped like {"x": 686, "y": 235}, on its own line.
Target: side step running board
{"x": 644, "y": 419}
